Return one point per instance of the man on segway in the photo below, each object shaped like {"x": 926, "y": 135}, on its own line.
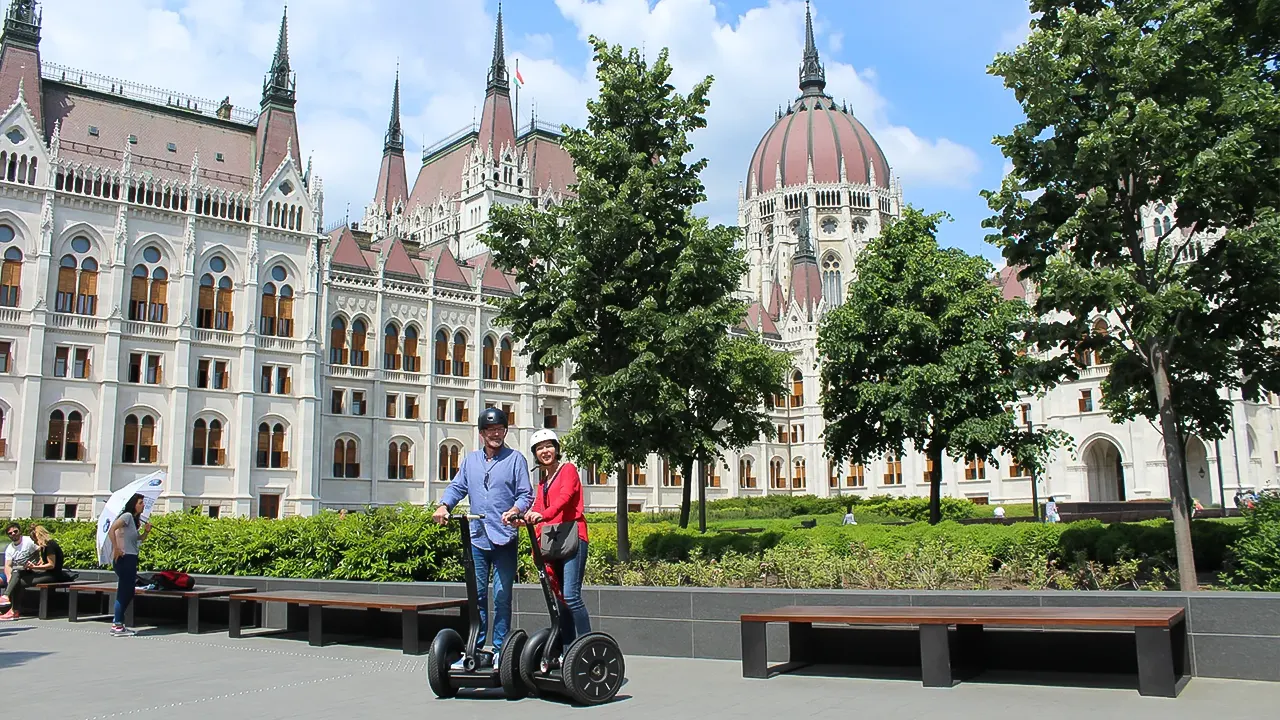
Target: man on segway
{"x": 496, "y": 479}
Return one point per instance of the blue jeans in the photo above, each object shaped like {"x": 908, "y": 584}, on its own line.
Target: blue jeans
{"x": 500, "y": 564}
{"x": 126, "y": 573}
{"x": 574, "y": 620}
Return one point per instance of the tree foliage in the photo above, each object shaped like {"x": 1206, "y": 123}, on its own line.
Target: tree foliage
{"x": 619, "y": 281}
{"x": 925, "y": 351}
{"x": 1139, "y": 110}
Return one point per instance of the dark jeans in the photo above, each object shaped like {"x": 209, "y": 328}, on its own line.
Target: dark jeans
{"x": 574, "y": 620}
{"x": 24, "y": 579}
{"x": 127, "y": 573}
{"x": 500, "y": 563}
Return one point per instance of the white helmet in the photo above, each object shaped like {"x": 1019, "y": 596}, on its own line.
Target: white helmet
{"x": 542, "y": 436}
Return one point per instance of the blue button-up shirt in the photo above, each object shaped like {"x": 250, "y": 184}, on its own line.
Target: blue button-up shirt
{"x": 508, "y": 487}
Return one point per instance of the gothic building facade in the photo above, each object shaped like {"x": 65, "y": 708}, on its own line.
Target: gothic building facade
{"x": 171, "y": 299}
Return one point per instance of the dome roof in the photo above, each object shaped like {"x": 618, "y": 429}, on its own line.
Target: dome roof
{"x": 815, "y": 131}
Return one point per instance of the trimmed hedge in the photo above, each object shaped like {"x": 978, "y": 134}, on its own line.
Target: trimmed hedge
{"x": 402, "y": 543}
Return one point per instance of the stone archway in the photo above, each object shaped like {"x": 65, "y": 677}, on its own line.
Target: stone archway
{"x": 1199, "y": 477}
{"x": 1105, "y": 470}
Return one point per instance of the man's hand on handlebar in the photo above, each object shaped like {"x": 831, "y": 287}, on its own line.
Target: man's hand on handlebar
{"x": 441, "y": 515}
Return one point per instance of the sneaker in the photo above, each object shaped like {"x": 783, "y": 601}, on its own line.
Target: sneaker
{"x": 11, "y": 615}
{"x": 120, "y": 631}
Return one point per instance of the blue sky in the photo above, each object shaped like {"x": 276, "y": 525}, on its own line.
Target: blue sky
{"x": 913, "y": 70}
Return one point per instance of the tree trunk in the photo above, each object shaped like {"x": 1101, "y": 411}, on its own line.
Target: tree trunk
{"x": 935, "y": 483}
{"x": 624, "y": 540}
{"x": 686, "y": 491}
{"x": 703, "y": 472}
{"x": 1175, "y": 461}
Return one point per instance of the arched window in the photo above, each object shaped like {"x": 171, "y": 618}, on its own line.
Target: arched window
{"x": 797, "y": 389}
{"x": 777, "y": 479}
{"x": 271, "y": 452}
{"x": 450, "y": 460}
{"x": 77, "y": 280}
{"x": 3, "y": 445}
{"x": 798, "y": 479}
{"x": 10, "y": 275}
{"x": 490, "y": 361}
{"x": 391, "y": 347}
{"x": 671, "y": 476}
{"x": 746, "y": 472}
{"x": 139, "y": 440}
{"x": 442, "y": 352}
{"x": 832, "y": 280}
{"x": 507, "y": 369}
{"x": 284, "y": 315}
{"x": 461, "y": 368}
{"x": 64, "y": 436}
{"x": 214, "y": 305}
{"x": 338, "y": 341}
{"x": 149, "y": 289}
{"x": 399, "y": 466}
{"x": 206, "y": 444}
{"x": 346, "y": 458}
{"x": 359, "y": 336}
{"x": 412, "y": 363}
{"x": 267, "y": 317}
{"x": 1168, "y": 225}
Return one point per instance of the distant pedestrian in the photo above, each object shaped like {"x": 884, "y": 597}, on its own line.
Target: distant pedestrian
{"x": 848, "y": 517}
{"x": 1051, "y": 511}
{"x": 125, "y": 537}
{"x": 999, "y": 511}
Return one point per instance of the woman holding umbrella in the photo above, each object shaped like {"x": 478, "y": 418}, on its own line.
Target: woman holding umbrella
{"x": 125, "y": 537}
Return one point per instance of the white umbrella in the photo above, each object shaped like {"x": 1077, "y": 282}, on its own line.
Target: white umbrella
{"x": 148, "y": 487}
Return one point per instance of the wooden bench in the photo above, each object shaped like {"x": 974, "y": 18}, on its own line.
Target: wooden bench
{"x": 1162, "y": 650}
{"x": 46, "y": 593}
{"x": 315, "y": 602}
{"x": 193, "y": 598}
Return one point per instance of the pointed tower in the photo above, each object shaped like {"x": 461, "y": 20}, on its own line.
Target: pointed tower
{"x": 497, "y": 124}
{"x": 20, "y": 57}
{"x": 806, "y": 280}
{"x": 813, "y": 77}
{"x": 277, "y": 123}
{"x": 393, "y": 185}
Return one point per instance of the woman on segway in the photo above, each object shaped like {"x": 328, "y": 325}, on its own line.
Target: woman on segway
{"x": 557, "y": 509}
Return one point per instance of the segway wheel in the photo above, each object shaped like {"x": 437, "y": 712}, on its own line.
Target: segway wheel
{"x": 531, "y": 658}
{"x": 593, "y": 669}
{"x": 509, "y": 665}
{"x": 445, "y": 650}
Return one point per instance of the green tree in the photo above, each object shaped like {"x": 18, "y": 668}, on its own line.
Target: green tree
{"x": 925, "y": 351}
{"x": 1137, "y": 111}
{"x": 727, "y": 408}
{"x": 610, "y": 278}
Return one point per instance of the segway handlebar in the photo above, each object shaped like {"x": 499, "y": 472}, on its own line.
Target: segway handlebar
{"x": 461, "y": 516}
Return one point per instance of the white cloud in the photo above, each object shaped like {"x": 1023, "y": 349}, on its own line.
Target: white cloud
{"x": 214, "y": 48}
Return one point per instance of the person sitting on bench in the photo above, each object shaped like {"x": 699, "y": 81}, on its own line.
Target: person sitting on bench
{"x": 49, "y": 568}
{"x": 17, "y": 556}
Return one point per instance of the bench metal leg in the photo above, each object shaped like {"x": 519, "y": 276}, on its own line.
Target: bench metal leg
{"x": 409, "y": 628}
{"x": 73, "y": 605}
{"x": 193, "y": 616}
{"x": 935, "y": 656}
{"x": 44, "y": 603}
{"x": 800, "y": 638}
{"x": 233, "y": 618}
{"x": 754, "y": 650}
{"x": 315, "y": 636}
{"x": 1157, "y": 672}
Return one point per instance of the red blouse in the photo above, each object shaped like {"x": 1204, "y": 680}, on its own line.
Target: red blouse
{"x": 560, "y": 500}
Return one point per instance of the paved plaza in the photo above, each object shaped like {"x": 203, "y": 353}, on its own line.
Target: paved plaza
{"x": 54, "y": 669}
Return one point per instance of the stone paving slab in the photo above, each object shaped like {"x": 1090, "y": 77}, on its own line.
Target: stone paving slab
{"x": 165, "y": 675}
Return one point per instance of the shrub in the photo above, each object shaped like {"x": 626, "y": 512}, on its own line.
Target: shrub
{"x": 1254, "y": 556}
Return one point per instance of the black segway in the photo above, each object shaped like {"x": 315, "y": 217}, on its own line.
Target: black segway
{"x": 477, "y": 665}
{"x": 592, "y": 669}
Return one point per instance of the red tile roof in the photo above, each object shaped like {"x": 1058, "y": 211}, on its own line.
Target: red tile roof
{"x": 448, "y": 269}
{"x": 758, "y": 320}
{"x": 347, "y": 251}
{"x": 551, "y": 163}
{"x": 443, "y": 174}
{"x": 497, "y": 126}
{"x": 393, "y": 186}
{"x": 398, "y": 260}
{"x": 492, "y": 278}
{"x": 806, "y": 286}
{"x": 115, "y": 119}
{"x": 277, "y": 134}
{"x": 1010, "y": 287}
{"x": 20, "y": 64}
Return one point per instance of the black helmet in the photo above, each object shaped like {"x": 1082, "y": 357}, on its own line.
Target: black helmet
{"x": 492, "y": 416}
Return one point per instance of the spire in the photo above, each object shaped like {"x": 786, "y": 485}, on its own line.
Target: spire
{"x": 804, "y": 246}
{"x": 280, "y": 85}
{"x": 498, "y": 68}
{"x": 395, "y": 138}
{"x": 813, "y": 77}
{"x": 22, "y": 23}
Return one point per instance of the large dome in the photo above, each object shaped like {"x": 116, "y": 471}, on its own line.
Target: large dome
{"x": 817, "y": 133}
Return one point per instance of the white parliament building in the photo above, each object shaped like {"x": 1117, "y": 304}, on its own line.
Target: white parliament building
{"x": 172, "y": 299}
